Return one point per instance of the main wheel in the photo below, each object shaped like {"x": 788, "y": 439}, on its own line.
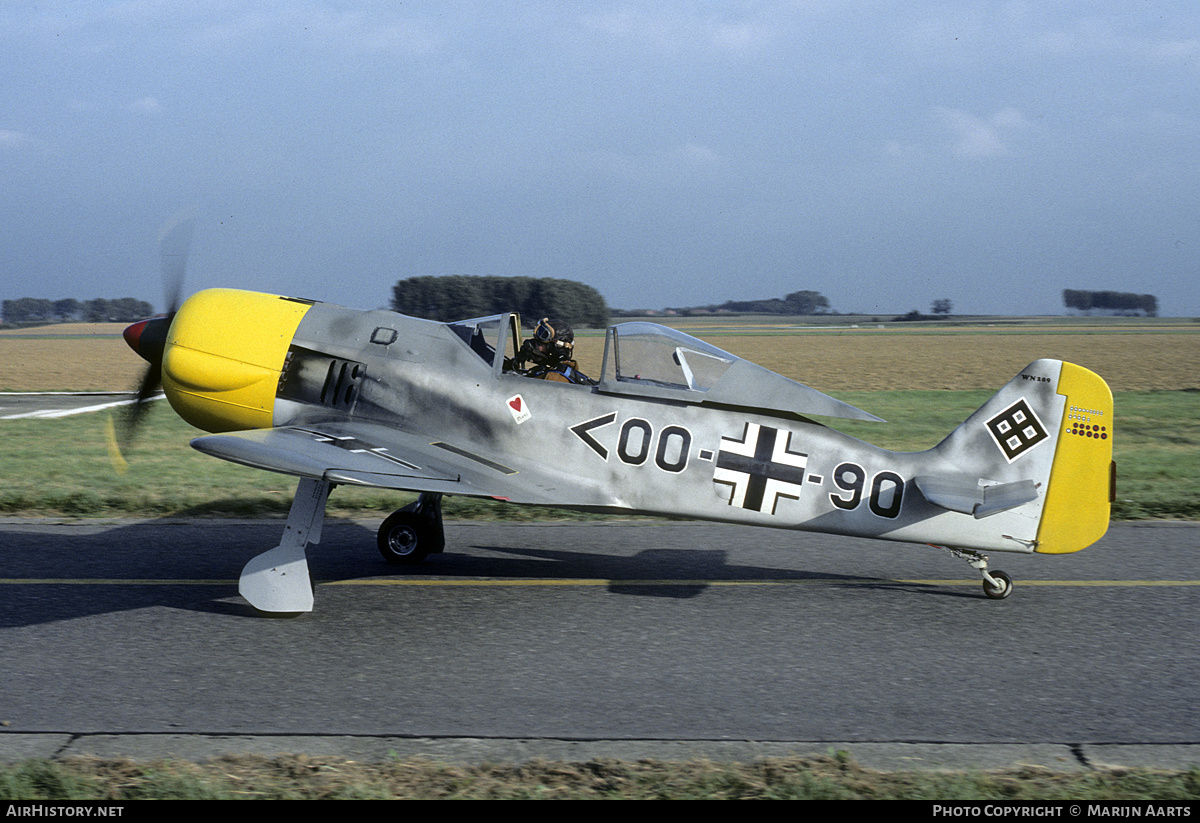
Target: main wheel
{"x": 404, "y": 537}
{"x": 998, "y": 592}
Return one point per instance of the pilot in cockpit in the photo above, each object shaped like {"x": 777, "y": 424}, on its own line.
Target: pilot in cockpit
{"x": 550, "y": 354}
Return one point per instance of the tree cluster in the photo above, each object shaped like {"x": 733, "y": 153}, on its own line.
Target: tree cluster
{"x": 798, "y": 302}
{"x": 941, "y": 307}
{"x": 1110, "y": 302}
{"x": 39, "y": 310}
{"x": 458, "y": 297}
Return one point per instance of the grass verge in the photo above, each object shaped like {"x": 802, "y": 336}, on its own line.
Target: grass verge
{"x": 61, "y": 467}
{"x": 836, "y": 777}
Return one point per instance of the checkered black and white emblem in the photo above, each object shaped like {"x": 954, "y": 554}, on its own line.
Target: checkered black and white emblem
{"x": 760, "y": 468}
{"x": 1016, "y": 430}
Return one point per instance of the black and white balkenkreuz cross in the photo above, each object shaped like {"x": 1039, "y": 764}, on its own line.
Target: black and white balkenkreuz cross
{"x": 760, "y": 468}
{"x": 356, "y": 446}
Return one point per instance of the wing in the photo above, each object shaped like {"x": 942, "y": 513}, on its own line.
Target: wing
{"x": 366, "y": 454}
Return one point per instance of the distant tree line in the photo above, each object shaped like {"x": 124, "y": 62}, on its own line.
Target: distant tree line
{"x": 1110, "y": 302}
{"x": 39, "y": 310}
{"x": 798, "y": 302}
{"x": 459, "y": 297}
{"x": 942, "y": 308}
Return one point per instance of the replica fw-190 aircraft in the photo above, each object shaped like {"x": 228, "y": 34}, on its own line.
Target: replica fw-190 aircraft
{"x": 674, "y": 426}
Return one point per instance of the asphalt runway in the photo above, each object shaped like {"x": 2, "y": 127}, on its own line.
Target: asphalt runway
{"x": 618, "y": 638}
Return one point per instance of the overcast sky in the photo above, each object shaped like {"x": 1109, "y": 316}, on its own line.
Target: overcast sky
{"x": 885, "y": 154}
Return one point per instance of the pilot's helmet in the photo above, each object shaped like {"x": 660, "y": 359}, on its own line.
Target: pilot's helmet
{"x": 557, "y": 336}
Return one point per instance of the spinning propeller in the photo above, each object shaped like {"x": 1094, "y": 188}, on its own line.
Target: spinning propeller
{"x": 149, "y": 337}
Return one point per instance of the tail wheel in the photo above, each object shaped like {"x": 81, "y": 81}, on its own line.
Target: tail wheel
{"x": 1002, "y": 589}
{"x": 405, "y": 537}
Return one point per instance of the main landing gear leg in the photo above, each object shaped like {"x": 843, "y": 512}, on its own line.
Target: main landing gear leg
{"x": 412, "y": 533}
{"x": 278, "y": 581}
{"x": 997, "y": 585}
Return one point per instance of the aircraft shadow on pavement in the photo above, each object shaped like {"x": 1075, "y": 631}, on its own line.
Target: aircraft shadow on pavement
{"x": 194, "y": 564}
{"x": 666, "y": 572}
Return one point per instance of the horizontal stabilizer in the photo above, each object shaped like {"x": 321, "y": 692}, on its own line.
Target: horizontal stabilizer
{"x": 966, "y": 495}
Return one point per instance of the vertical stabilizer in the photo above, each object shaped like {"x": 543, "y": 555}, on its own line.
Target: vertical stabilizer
{"x": 1082, "y": 479}
{"x": 1040, "y": 449}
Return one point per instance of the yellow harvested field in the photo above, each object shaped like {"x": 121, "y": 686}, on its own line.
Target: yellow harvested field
{"x": 829, "y": 360}
{"x": 889, "y": 359}
{"x": 894, "y": 360}
{"x": 29, "y": 362}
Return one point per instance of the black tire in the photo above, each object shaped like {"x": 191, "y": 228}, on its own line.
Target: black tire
{"x": 1005, "y": 589}
{"x": 405, "y": 538}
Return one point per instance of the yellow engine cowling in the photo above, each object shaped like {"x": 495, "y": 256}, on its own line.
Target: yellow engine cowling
{"x": 223, "y": 356}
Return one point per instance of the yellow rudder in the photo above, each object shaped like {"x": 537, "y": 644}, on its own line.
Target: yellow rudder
{"x": 1079, "y": 492}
